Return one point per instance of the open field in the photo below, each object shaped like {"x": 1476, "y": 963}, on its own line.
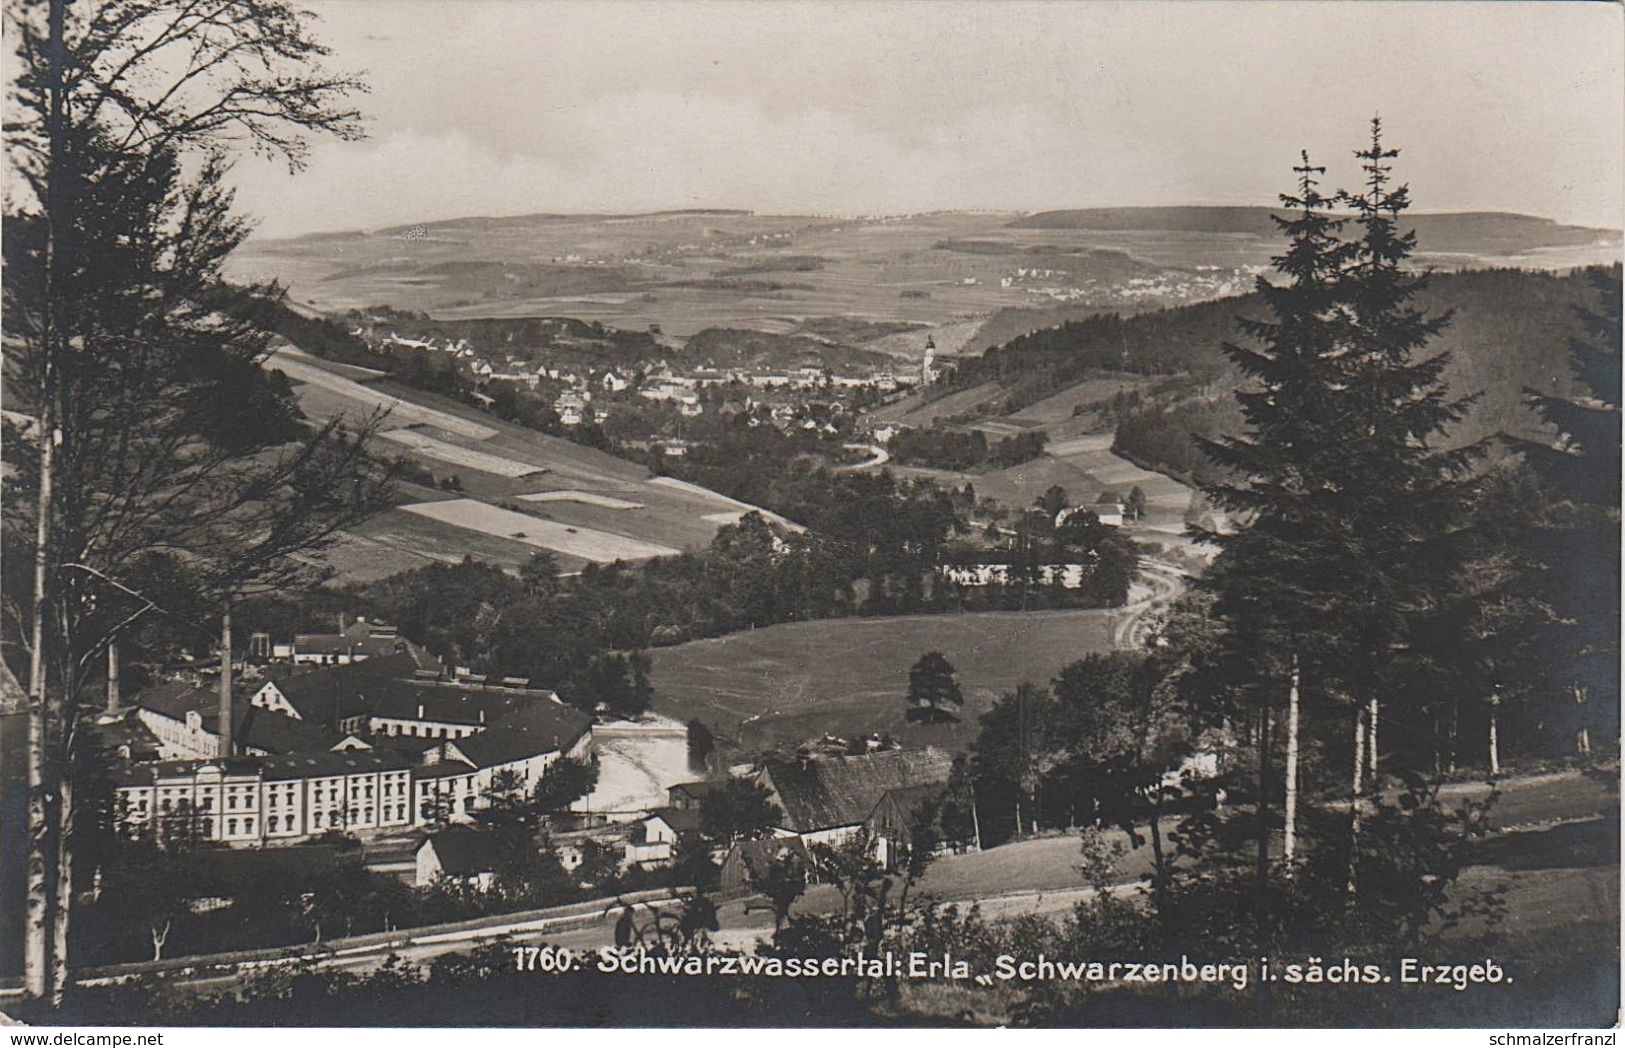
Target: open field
{"x": 1059, "y": 407}
{"x": 585, "y": 543}
{"x": 707, "y": 495}
{"x": 914, "y": 410}
{"x": 415, "y": 539}
{"x": 789, "y": 683}
{"x": 586, "y": 498}
{"x": 585, "y": 504}
{"x": 454, "y": 455}
{"x": 334, "y": 379}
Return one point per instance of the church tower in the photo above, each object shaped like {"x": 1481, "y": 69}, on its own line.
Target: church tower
{"x": 929, "y": 372}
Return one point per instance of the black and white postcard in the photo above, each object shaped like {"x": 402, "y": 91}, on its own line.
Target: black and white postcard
{"x": 716, "y": 513}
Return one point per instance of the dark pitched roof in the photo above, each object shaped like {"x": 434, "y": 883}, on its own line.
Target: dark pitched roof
{"x": 251, "y": 726}
{"x": 463, "y": 851}
{"x": 411, "y": 746}
{"x": 696, "y": 790}
{"x": 322, "y": 765}
{"x": 488, "y": 749}
{"x": 175, "y": 699}
{"x": 442, "y": 703}
{"x": 126, "y": 731}
{"x": 552, "y": 720}
{"x": 442, "y": 769}
{"x": 907, "y": 800}
{"x": 682, "y": 820}
{"x": 406, "y": 698}
{"x": 843, "y": 791}
{"x": 346, "y": 689}
{"x": 275, "y": 732}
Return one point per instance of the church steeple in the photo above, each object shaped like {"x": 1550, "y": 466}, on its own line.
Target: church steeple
{"x": 928, "y": 368}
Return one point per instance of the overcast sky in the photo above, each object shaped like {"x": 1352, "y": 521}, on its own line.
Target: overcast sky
{"x": 491, "y": 107}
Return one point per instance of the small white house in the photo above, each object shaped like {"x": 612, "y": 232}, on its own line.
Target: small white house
{"x": 459, "y": 854}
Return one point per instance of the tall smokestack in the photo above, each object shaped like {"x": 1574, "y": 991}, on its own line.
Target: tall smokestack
{"x": 112, "y": 679}
{"x": 225, "y": 683}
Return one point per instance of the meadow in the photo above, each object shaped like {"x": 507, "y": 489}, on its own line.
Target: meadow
{"x": 589, "y": 544}
{"x": 791, "y": 683}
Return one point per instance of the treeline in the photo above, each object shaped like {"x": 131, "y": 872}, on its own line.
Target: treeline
{"x": 961, "y": 450}
{"x": 873, "y": 547}
{"x": 872, "y": 551}
{"x": 1163, "y": 438}
{"x": 1509, "y": 332}
{"x": 1165, "y": 342}
{"x": 561, "y": 341}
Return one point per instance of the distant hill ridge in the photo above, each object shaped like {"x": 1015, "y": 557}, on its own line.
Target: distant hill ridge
{"x": 486, "y": 221}
{"x": 1442, "y": 231}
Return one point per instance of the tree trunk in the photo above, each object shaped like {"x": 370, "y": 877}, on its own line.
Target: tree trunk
{"x": 1495, "y": 737}
{"x": 1359, "y": 753}
{"x": 1455, "y": 720}
{"x": 1263, "y": 800}
{"x": 62, "y": 902}
{"x": 1582, "y": 737}
{"x": 1159, "y": 862}
{"x": 975, "y": 819}
{"x": 112, "y": 678}
{"x": 1371, "y": 742}
{"x": 37, "y": 942}
{"x": 1356, "y": 799}
{"x": 1290, "y": 842}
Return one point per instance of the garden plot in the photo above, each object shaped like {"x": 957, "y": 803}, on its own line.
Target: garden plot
{"x": 587, "y": 543}
{"x": 303, "y": 370}
{"x": 461, "y": 456}
{"x": 585, "y": 498}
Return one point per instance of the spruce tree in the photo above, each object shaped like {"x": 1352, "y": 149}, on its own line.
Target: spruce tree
{"x": 1399, "y": 498}
{"x": 1270, "y": 593}
{"x": 1580, "y": 538}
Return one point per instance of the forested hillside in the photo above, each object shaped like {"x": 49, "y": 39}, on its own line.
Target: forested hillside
{"x": 1509, "y": 332}
{"x": 1475, "y": 231}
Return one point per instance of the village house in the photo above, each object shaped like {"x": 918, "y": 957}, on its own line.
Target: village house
{"x": 688, "y": 796}
{"x": 755, "y": 855}
{"x": 829, "y": 799}
{"x": 892, "y": 823}
{"x": 461, "y": 855}
{"x": 1110, "y": 513}
{"x": 572, "y": 409}
{"x": 654, "y": 840}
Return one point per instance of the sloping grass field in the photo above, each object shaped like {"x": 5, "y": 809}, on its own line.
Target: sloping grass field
{"x": 518, "y": 490}
{"x": 586, "y": 543}
{"x": 791, "y": 683}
